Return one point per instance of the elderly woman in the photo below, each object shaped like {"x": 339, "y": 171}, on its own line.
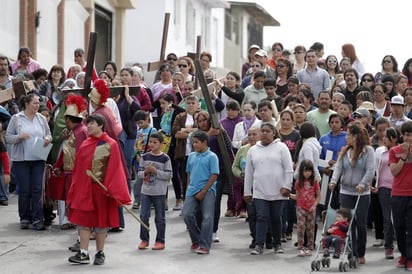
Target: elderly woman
{"x": 26, "y": 130}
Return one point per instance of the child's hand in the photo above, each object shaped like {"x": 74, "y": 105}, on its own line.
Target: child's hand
{"x": 200, "y": 195}
{"x": 150, "y": 168}
{"x": 248, "y": 199}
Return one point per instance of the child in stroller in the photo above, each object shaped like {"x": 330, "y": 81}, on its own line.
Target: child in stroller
{"x": 336, "y": 233}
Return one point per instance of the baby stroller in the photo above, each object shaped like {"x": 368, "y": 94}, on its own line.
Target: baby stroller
{"x": 347, "y": 258}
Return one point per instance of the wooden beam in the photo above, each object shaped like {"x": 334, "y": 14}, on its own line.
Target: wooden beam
{"x": 151, "y": 66}
{"x": 90, "y": 62}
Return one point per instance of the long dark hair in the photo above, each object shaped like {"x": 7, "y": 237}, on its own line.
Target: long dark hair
{"x": 306, "y": 165}
{"x": 362, "y": 140}
{"x": 307, "y": 130}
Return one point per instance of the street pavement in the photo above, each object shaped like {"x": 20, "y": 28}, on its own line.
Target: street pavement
{"x": 27, "y": 251}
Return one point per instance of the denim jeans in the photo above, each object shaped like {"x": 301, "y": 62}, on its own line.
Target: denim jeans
{"x": 385, "y": 200}
{"x": 268, "y": 213}
{"x": 160, "y": 216}
{"x": 4, "y": 189}
{"x": 29, "y": 177}
{"x": 402, "y": 220}
{"x": 206, "y": 207}
{"x": 359, "y": 223}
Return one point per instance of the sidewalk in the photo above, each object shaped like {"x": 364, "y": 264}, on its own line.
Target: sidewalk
{"x": 27, "y": 251}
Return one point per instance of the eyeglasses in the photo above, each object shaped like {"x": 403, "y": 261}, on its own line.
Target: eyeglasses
{"x": 182, "y": 66}
{"x": 280, "y": 66}
{"x": 367, "y": 80}
{"x": 276, "y": 49}
{"x": 357, "y": 116}
{"x": 255, "y": 66}
{"x": 387, "y": 61}
{"x": 171, "y": 59}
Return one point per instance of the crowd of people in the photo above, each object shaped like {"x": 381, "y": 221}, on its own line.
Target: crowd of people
{"x": 280, "y": 115}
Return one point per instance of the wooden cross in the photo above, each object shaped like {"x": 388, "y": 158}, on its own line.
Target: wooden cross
{"x": 222, "y": 137}
{"x": 196, "y": 56}
{"x": 151, "y": 66}
{"x": 90, "y": 63}
{"x": 325, "y": 178}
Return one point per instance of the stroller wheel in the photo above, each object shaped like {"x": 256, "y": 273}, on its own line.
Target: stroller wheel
{"x": 345, "y": 267}
{"x": 341, "y": 267}
{"x": 355, "y": 263}
{"x": 317, "y": 265}
{"x": 313, "y": 265}
{"x": 323, "y": 262}
{"x": 328, "y": 262}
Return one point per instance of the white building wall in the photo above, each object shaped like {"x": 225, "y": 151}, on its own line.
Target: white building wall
{"x": 9, "y": 29}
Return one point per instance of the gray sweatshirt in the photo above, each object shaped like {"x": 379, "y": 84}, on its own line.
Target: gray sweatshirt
{"x": 155, "y": 184}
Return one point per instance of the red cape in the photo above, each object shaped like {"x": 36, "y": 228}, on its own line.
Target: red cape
{"x": 90, "y": 205}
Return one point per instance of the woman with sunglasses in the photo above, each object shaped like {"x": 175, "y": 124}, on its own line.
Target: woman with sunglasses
{"x": 332, "y": 66}
{"x": 389, "y": 66}
{"x": 382, "y": 106}
{"x": 300, "y": 58}
{"x": 367, "y": 80}
{"x": 284, "y": 71}
{"x": 277, "y": 50}
{"x": 187, "y": 67}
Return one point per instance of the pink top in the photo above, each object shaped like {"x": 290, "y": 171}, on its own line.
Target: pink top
{"x": 385, "y": 174}
{"x": 307, "y": 195}
{"x": 31, "y": 66}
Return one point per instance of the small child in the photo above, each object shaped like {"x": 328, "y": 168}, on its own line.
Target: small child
{"x": 202, "y": 170}
{"x": 307, "y": 198}
{"x": 155, "y": 168}
{"x": 336, "y": 233}
{"x": 144, "y": 130}
{"x": 337, "y": 99}
{"x": 345, "y": 110}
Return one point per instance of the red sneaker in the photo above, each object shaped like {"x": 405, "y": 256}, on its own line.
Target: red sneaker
{"x": 203, "y": 250}
{"x": 408, "y": 265}
{"x": 158, "y": 246}
{"x": 143, "y": 245}
{"x": 401, "y": 262}
{"x": 194, "y": 247}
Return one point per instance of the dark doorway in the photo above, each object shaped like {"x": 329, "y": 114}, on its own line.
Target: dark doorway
{"x": 103, "y": 27}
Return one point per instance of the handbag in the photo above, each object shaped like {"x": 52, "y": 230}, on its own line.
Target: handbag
{"x": 167, "y": 139}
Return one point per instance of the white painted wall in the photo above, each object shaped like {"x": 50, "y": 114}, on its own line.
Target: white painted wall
{"x": 9, "y": 29}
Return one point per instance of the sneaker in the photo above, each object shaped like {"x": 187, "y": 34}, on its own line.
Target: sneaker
{"x": 158, "y": 246}
{"x": 80, "y": 258}
{"x": 389, "y": 253}
{"x": 258, "y": 250}
{"x": 401, "y": 262}
{"x": 242, "y": 214}
{"x": 143, "y": 245}
{"x": 136, "y": 205}
{"x": 177, "y": 207}
{"x": 252, "y": 245}
{"x": 229, "y": 213}
{"x": 279, "y": 249}
{"x": 288, "y": 236}
{"x": 283, "y": 239}
{"x": 361, "y": 260}
{"x": 215, "y": 238}
{"x": 378, "y": 243}
{"x": 24, "y": 224}
{"x": 194, "y": 247}
{"x": 39, "y": 226}
{"x": 337, "y": 256}
{"x": 308, "y": 252}
{"x": 99, "y": 258}
{"x": 75, "y": 247}
{"x": 301, "y": 253}
{"x": 202, "y": 251}
{"x": 409, "y": 265}
{"x": 326, "y": 253}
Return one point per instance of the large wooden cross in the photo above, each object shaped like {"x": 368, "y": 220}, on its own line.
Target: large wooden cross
{"x": 151, "y": 66}
{"x": 196, "y": 56}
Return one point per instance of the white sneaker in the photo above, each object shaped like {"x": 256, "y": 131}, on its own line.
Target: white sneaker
{"x": 301, "y": 253}
{"x": 215, "y": 238}
{"x": 378, "y": 243}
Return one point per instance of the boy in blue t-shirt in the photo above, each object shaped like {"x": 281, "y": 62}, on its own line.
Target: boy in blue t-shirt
{"x": 202, "y": 170}
{"x": 144, "y": 130}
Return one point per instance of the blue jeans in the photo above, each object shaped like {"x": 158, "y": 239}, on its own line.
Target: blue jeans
{"x": 402, "y": 220}
{"x": 385, "y": 200}
{"x": 160, "y": 217}
{"x": 206, "y": 207}
{"x": 29, "y": 177}
{"x": 4, "y": 189}
{"x": 268, "y": 214}
{"x": 359, "y": 223}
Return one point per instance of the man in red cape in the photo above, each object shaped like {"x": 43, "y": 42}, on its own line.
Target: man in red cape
{"x": 91, "y": 206}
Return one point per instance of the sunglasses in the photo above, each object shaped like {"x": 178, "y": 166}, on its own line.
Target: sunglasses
{"x": 367, "y": 80}
{"x": 387, "y": 61}
{"x": 356, "y": 116}
{"x": 255, "y": 66}
{"x": 332, "y": 61}
{"x": 276, "y": 49}
{"x": 280, "y": 66}
{"x": 171, "y": 59}
{"x": 182, "y": 66}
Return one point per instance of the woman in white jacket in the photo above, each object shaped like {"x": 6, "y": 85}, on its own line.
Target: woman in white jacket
{"x": 242, "y": 128}
{"x": 268, "y": 157}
